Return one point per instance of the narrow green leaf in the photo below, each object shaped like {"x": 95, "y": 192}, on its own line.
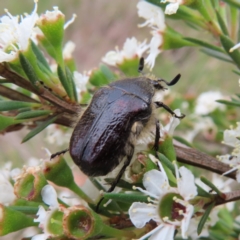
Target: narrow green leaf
{"x": 237, "y": 72}
{"x": 217, "y": 55}
{"x": 12, "y": 105}
{"x": 202, "y": 192}
{"x": 7, "y": 121}
{"x": 166, "y": 162}
{"x": 70, "y": 79}
{"x": 32, "y": 114}
{"x": 211, "y": 185}
{"x": 222, "y": 24}
{"x": 40, "y": 56}
{"x": 25, "y": 209}
{"x": 205, "y": 217}
{"x": 204, "y": 44}
{"x": 123, "y": 184}
{"x": 38, "y": 129}
{"x": 234, "y": 3}
{"x": 229, "y": 103}
{"x": 28, "y": 69}
{"x": 64, "y": 81}
{"x": 215, "y": 3}
{"x": 124, "y": 197}
{"x": 183, "y": 141}
{"x": 228, "y": 44}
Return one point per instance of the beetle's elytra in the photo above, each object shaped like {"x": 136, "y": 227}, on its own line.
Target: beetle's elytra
{"x": 107, "y": 131}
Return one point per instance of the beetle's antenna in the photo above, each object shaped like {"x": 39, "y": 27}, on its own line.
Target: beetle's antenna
{"x": 141, "y": 65}
{"x": 58, "y": 153}
{"x": 173, "y": 82}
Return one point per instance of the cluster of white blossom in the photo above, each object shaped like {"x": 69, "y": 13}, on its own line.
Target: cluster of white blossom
{"x": 231, "y": 138}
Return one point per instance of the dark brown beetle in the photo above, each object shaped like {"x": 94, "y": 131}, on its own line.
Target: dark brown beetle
{"x": 118, "y": 114}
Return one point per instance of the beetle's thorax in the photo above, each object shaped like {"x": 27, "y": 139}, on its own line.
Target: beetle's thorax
{"x": 140, "y": 87}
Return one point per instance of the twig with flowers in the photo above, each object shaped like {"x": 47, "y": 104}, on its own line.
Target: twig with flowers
{"x": 156, "y": 198}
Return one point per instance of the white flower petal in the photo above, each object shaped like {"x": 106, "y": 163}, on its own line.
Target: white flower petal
{"x": 186, "y": 185}
{"x": 40, "y": 237}
{"x": 49, "y": 196}
{"x": 230, "y": 136}
{"x": 173, "y": 123}
{"x": 171, "y": 8}
{"x": 165, "y": 233}
{"x": 155, "y": 48}
{"x": 186, "y": 220}
{"x": 154, "y": 15}
{"x": 155, "y": 182}
{"x": 6, "y": 188}
{"x": 206, "y": 102}
{"x": 141, "y": 213}
{"x": 41, "y": 215}
{"x": 113, "y": 58}
{"x": 68, "y": 50}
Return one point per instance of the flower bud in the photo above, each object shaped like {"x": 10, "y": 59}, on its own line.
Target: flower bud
{"x": 29, "y": 184}
{"x": 11, "y": 220}
{"x": 50, "y": 221}
{"x": 82, "y": 223}
{"x": 58, "y": 171}
{"x": 52, "y": 26}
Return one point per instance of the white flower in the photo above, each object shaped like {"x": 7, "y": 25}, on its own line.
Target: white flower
{"x": 80, "y": 81}
{"x": 155, "y": 19}
{"x": 7, "y": 195}
{"x": 49, "y": 196}
{"x": 56, "y": 135}
{"x": 50, "y": 16}
{"x": 206, "y": 102}
{"x": 231, "y": 138}
{"x": 154, "y": 15}
{"x": 180, "y": 210}
{"x": 155, "y": 48}
{"x": 173, "y": 6}
{"x": 131, "y": 49}
{"x": 15, "y": 35}
{"x": 68, "y": 50}
{"x": 200, "y": 124}
{"x": 168, "y": 129}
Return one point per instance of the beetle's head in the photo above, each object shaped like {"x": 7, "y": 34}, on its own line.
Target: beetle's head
{"x": 157, "y": 83}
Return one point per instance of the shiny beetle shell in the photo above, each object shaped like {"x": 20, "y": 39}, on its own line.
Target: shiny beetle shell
{"x": 108, "y": 129}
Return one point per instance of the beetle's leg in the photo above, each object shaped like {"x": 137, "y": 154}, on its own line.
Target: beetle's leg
{"x": 157, "y": 137}
{"x": 173, "y": 82}
{"x": 59, "y": 153}
{"x": 161, "y": 104}
{"x": 118, "y": 177}
{"x": 141, "y": 65}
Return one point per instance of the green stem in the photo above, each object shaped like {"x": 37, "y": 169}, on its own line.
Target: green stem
{"x": 210, "y": 23}
{"x": 109, "y": 231}
{"x": 74, "y": 187}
